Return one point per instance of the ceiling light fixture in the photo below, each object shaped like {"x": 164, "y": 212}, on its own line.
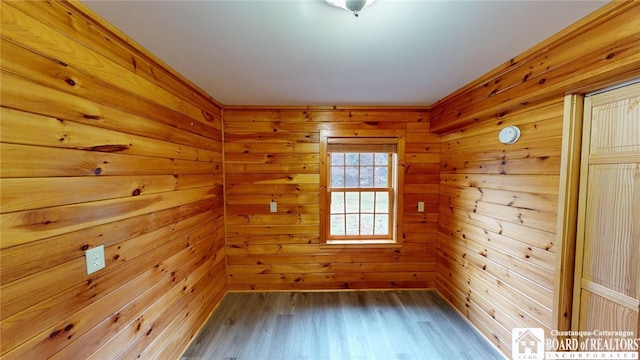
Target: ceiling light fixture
{"x": 354, "y": 6}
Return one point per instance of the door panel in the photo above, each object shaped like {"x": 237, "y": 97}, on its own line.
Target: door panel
{"x": 607, "y": 282}
{"x": 611, "y": 250}
{"x": 600, "y": 313}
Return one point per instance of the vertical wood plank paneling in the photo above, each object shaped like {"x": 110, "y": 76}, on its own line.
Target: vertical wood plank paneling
{"x": 102, "y": 145}
{"x": 597, "y": 312}
{"x": 273, "y": 155}
{"x": 605, "y": 261}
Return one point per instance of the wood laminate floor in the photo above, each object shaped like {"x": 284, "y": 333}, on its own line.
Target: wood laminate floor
{"x": 338, "y": 325}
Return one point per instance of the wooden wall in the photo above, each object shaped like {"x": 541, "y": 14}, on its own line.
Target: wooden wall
{"x": 499, "y": 242}
{"x": 600, "y": 50}
{"x": 273, "y": 155}
{"x": 497, "y": 225}
{"x": 102, "y": 145}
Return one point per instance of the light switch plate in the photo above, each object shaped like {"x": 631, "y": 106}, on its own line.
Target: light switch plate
{"x": 420, "y": 206}
{"x": 273, "y": 207}
{"x": 95, "y": 259}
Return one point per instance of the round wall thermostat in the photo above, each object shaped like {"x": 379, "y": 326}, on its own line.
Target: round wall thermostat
{"x": 509, "y": 135}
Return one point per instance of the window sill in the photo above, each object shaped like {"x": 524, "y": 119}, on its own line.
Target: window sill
{"x": 340, "y": 244}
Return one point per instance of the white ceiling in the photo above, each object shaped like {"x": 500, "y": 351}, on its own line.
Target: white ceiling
{"x": 307, "y": 52}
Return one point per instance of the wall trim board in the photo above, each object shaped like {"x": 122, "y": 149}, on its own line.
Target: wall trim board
{"x": 598, "y": 51}
{"x": 613, "y": 87}
{"x": 326, "y": 107}
{"x": 567, "y": 211}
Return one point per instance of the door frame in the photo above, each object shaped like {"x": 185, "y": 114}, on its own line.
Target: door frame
{"x": 567, "y": 223}
{"x": 568, "y": 201}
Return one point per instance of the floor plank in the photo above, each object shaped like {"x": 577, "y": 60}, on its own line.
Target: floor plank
{"x": 338, "y": 325}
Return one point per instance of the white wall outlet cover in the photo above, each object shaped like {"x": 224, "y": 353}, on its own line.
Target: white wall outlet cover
{"x": 273, "y": 207}
{"x": 509, "y": 135}
{"x": 95, "y": 259}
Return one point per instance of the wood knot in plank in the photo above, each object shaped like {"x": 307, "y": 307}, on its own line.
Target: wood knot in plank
{"x": 108, "y": 148}
{"x": 208, "y": 117}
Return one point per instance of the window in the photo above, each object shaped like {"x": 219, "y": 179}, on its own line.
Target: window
{"x": 361, "y": 197}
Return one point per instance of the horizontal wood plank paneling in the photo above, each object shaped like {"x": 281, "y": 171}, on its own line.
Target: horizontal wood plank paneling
{"x": 34, "y": 193}
{"x": 66, "y": 105}
{"x": 497, "y": 221}
{"x": 29, "y": 129}
{"x": 498, "y": 205}
{"x": 27, "y": 31}
{"x": 601, "y": 50}
{"x": 273, "y": 155}
{"x": 103, "y": 145}
{"x": 76, "y": 20}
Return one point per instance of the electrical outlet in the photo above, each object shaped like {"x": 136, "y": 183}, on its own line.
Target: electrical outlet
{"x": 95, "y": 259}
{"x": 420, "y": 206}
{"x": 273, "y": 207}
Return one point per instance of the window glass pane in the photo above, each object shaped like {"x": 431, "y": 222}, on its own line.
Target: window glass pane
{"x": 353, "y": 202}
{"x": 382, "y": 225}
{"x": 366, "y": 224}
{"x": 366, "y": 176}
{"x": 337, "y": 225}
{"x": 337, "y": 176}
{"x": 352, "y": 177}
{"x": 353, "y": 224}
{"x": 352, "y": 158}
{"x": 337, "y": 159}
{"x": 366, "y": 202}
{"x": 337, "y": 203}
{"x": 356, "y": 213}
{"x": 382, "y": 202}
{"x": 366, "y": 159}
{"x": 381, "y": 178}
{"x": 382, "y": 159}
